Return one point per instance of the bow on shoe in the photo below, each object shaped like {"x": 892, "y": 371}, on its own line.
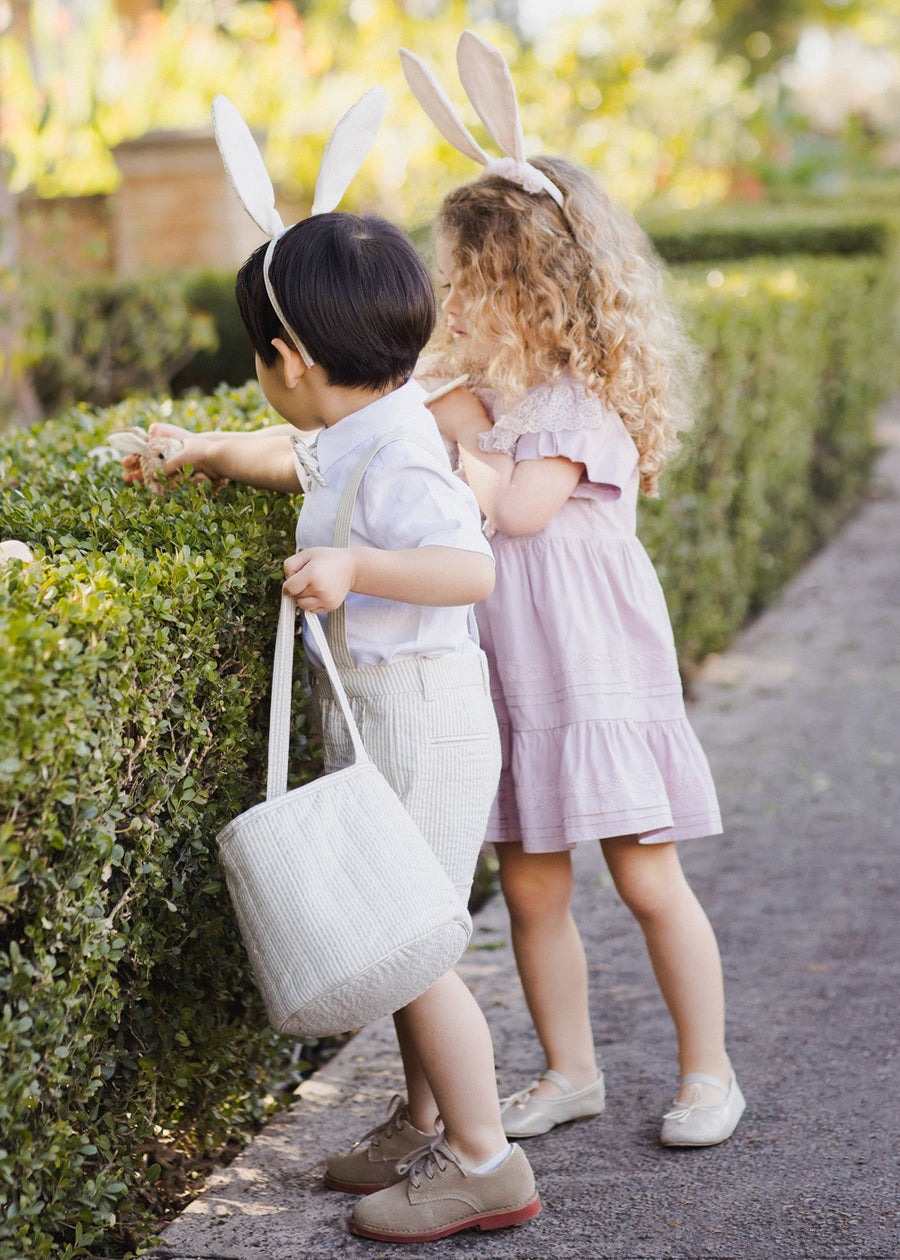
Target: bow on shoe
{"x": 394, "y": 1120}
{"x": 521, "y": 1098}
{"x": 683, "y": 1111}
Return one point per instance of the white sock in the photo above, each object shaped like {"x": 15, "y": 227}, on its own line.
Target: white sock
{"x": 494, "y": 1162}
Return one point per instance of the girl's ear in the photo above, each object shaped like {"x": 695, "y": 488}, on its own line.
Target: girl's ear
{"x": 293, "y": 364}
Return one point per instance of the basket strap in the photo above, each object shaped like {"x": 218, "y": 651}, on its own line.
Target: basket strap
{"x": 280, "y": 713}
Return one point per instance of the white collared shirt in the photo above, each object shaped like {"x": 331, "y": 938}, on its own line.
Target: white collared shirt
{"x": 409, "y": 497}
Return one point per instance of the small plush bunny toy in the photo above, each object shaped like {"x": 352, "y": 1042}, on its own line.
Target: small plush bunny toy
{"x": 151, "y": 452}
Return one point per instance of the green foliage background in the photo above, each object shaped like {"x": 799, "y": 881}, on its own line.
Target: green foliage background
{"x": 640, "y": 91}
{"x": 797, "y": 354}
{"x": 99, "y": 340}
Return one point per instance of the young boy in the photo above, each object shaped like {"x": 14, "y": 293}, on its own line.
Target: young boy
{"x": 410, "y": 561}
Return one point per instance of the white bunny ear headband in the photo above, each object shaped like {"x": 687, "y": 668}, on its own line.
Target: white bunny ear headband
{"x": 488, "y": 84}
{"x": 344, "y": 154}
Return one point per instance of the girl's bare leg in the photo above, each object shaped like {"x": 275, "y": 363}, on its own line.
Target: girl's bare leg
{"x": 682, "y": 948}
{"x": 449, "y": 1062}
{"x": 551, "y": 961}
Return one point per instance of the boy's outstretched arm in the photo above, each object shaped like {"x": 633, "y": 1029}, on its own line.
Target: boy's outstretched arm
{"x": 262, "y": 458}
{"x": 320, "y": 578}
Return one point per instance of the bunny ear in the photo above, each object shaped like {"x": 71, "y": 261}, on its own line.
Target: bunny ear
{"x": 128, "y": 443}
{"x": 433, "y": 99}
{"x": 346, "y": 151}
{"x": 245, "y": 167}
{"x": 488, "y": 83}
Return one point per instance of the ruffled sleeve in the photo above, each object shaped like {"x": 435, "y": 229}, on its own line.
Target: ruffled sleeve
{"x": 608, "y": 454}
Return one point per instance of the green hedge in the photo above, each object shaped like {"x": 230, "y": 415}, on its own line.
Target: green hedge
{"x": 231, "y": 361}
{"x": 797, "y": 354}
{"x": 748, "y": 230}
{"x": 134, "y": 657}
{"x": 103, "y": 339}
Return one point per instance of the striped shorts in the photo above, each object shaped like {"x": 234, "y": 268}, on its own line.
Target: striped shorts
{"x": 428, "y": 724}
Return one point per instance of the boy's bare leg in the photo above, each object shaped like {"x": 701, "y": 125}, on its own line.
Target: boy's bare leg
{"x": 448, "y": 1045}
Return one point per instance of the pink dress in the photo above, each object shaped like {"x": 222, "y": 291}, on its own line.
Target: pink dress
{"x": 585, "y": 679}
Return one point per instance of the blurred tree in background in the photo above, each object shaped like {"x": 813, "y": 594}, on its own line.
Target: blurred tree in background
{"x": 641, "y": 91}
{"x": 682, "y": 100}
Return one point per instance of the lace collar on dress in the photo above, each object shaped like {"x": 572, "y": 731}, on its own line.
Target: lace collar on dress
{"x": 552, "y": 407}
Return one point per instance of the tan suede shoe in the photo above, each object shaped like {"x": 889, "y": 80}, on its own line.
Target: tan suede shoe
{"x": 371, "y": 1163}
{"x": 439, "y": 1197}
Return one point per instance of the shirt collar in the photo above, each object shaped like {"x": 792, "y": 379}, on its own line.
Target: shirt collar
{"x": 364, "y": 426}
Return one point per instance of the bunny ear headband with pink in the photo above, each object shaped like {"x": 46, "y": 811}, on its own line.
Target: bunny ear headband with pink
{"x": 488, "y": 84}
{"x": 344, "y": 154}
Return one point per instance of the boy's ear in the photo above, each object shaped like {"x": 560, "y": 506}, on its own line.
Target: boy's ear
{"x": 292, "y": 362}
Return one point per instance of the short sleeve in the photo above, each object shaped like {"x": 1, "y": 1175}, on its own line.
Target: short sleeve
{"x": 608, "y": 454}
{"x": 410, "y": 501}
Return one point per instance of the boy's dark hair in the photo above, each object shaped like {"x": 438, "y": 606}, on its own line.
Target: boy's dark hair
{"x": 354, "y": 289}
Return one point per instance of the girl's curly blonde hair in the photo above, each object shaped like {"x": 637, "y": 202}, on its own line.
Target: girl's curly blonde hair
{"x": 581, "y": 290}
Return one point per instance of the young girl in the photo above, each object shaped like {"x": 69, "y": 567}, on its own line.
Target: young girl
{"x": 557, "y": 313}
{"x": 355, "y": 308}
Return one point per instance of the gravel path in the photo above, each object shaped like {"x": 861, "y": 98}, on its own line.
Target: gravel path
{"x": 801, "y": 721}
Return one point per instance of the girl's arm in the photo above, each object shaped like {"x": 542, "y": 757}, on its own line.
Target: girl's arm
{"x": 518, "y": 498}
{"x": 320, "y": 578}
{"x": 261, "y": 458}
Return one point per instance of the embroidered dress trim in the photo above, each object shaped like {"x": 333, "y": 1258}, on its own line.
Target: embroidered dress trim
{"x": 547, "y": 408}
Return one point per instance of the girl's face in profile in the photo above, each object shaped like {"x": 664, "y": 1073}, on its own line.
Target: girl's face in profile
{"x": 474, "y": 346}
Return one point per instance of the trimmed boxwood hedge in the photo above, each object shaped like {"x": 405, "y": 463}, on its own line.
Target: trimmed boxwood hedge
{"x": 797, "y": 353}
{"x": 134, "y": 659}
{"x": 736, "y": 232}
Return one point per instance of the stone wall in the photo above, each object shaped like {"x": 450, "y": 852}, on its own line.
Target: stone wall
{"x": 174, "y": 208}
{"x": 66, "y": 234}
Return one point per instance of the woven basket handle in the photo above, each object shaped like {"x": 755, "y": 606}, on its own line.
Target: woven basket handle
{"x": 280, "y": 713}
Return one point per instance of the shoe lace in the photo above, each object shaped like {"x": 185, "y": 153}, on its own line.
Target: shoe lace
{"x": 425, "y": 1160}
{"x": 397, "y": 1117}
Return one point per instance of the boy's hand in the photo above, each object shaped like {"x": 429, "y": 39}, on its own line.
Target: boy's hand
{"x": 194, "y": 451}
{"x": 320, "y": 578}
{"x": 459, "y": 412}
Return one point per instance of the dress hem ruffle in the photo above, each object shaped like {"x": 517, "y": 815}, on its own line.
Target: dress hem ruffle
{"x": 584, "y": 833}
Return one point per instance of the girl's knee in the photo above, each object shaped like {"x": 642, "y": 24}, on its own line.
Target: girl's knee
{"x": 648, "y": 903}
{"x": 535, "y": 885}
{"x": 648, "y": 878}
